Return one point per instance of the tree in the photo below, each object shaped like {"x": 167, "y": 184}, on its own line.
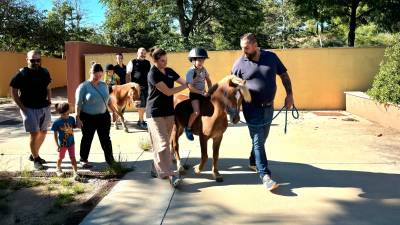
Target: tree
{"x": 19, "y": 23}
{"x": 351, "y": 12}
{"x": 63, "y": 23}
{"x": 386, "y": 84}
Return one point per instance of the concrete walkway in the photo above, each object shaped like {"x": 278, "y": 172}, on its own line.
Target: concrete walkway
{"x": 332, "y": 170}
{"x": 338, "y": 169}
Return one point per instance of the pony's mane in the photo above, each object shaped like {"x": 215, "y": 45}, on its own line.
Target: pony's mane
{"x": 213, "y": 88}
{"x": 244, "y": 90}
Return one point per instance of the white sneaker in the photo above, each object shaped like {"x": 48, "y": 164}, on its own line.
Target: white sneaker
{"x": 175, "y": 181}
{"x": 59, "y": 172}
{"x": 269, "y": 183}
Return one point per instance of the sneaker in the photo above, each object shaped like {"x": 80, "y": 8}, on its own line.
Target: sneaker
{"x": 85, "y": 164}
{"x": 175, "y": 181}
{"x": 42, "y": 161}
{"x": 76, "y": 177}
{"x": 189, "y": 133}
{"x": 59, "y": 173}
{"x": 38, "y": 165}
{"x": 269, "y": 183}
{"x": 142, "y": 125}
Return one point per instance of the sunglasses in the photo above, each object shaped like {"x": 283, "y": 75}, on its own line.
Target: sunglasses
{"x": 35, "y": 60}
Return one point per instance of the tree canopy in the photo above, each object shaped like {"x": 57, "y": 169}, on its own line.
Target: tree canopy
{"x": 213, "y": 24}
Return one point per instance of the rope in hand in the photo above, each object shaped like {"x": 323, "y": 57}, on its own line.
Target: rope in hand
{"x": 295, "y": 114}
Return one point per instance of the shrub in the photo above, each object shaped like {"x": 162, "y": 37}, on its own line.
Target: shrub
{"x": 386, "y": 84}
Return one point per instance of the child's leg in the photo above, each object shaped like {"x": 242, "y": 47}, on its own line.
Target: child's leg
{"x": 71, "y": 152}
{"x": 61, "y": 155}
{"x": 196, "y": 112}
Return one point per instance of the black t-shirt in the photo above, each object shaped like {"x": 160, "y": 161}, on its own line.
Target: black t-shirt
{"x": 32, "y": 86}
{"x": 121, "y": 72}
{"x": 159, "y": 104}
{"x": 140, "y": 70}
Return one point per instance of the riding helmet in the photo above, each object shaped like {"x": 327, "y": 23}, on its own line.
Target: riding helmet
{"x": 197, "y": 53}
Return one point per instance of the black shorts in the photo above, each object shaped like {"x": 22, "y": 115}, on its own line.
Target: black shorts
{"x": 195, "y": 96}
{"x": 144, "y": 92}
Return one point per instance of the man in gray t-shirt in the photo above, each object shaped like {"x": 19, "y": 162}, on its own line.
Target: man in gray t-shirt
{"x": 259, "y": 68}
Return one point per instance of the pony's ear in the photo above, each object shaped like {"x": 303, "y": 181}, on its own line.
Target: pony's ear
{"x": 244, "y": 91}
{"x": 236, "y": 81}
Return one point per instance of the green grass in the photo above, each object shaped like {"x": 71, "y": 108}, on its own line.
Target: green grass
{"x": 78, "y": 189}
{"x": 26, "y": 183}
{"x": 66, "y": 182}
{"x": 144, "y": 143}
{"x": 117, "y": 169}
{"x": 63, "y": 198}
{"x": 50, "y": 187}
{"x": 26, "y": 173}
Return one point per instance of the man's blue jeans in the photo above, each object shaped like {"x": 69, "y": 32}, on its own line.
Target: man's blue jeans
{"x": 258, "y": 121}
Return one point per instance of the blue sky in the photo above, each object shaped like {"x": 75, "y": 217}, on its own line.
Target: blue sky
{"x": 94, "y": 11}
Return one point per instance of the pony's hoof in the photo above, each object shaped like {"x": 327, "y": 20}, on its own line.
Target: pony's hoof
{"x": 197, "y": 169}
{"x": 126, "y": 130}
{"x": 218, "y": 178}
{"x": 181, "y": 171}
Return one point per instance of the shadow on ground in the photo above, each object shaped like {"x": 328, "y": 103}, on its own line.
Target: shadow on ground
{"x": 377, "y": 191}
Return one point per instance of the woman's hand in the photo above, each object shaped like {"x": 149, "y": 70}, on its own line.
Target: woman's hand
{"x": 79, "y": 123}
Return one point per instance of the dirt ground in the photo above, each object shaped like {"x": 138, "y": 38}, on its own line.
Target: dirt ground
{"x": 49, "y": 200}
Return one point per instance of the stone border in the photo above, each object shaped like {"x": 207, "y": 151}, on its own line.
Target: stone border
{"x": 360, "y": 104}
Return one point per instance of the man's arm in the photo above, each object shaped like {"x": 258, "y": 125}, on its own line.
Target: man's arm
{"x": 289, "y": 102}
{"x": 17, "y": 100}
{"x": 49, "y": 94}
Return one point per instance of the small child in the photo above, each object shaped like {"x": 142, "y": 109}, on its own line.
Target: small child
{"x": 196, "y": 78}
{"x": 110, "y": 77}
{"x": 64, "y": 137}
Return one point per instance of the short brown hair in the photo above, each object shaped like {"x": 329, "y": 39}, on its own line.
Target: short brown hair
{"x": 250, "y": 37}
{"x": 62, "y": 107}
{"x": 95, "y": 67}
{"x": 157, "y": 53}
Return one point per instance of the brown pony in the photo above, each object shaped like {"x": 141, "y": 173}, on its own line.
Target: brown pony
{"x": 121, "y": 96}
{"x": 225, "y": 97}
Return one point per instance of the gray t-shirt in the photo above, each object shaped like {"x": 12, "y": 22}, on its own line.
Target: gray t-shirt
{"x": 90, "y": 100}
{"x": 197, "y": 78}
{"x": 260, "y": 76}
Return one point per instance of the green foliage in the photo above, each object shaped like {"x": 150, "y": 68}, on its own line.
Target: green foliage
{"x": 386, "y": 85}
{"x": 144, "y": 143}
{"x": 369, "y": 35}
{"x": 24, "y": 27}
{"x": 117, "y": 169}
{"x": 63, "y": 199}
{"x": 26, "y": 183}
{"x": 78, "y": 189}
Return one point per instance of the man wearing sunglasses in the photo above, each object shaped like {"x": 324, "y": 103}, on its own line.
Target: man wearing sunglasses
{"x": 30, "y": 91}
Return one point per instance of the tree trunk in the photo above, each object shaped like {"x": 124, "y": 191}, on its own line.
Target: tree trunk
{"x": 185, "y": 31}
{"x": 353, "y": 23}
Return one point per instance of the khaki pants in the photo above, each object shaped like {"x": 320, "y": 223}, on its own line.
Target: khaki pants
{"x": 160, "y": 129}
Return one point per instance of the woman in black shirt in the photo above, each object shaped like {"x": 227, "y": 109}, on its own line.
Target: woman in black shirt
{"x": 160, "y": 113}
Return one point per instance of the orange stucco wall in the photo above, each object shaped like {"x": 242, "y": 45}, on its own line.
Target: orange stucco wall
{"x": 10, "y": 62}
{"x": 319, "y": 76}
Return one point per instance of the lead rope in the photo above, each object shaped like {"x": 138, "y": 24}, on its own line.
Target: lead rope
{"x": 295, "y": 115}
